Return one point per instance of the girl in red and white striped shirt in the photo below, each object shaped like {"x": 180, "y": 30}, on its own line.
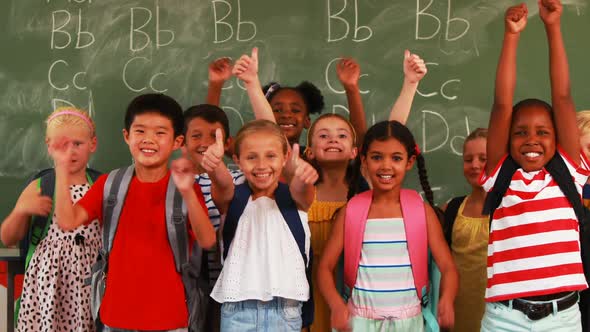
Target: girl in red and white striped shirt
{"x": 534, "y": 264}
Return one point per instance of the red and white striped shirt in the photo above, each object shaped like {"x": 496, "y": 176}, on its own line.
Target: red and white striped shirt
{"x": 534, "y": 246}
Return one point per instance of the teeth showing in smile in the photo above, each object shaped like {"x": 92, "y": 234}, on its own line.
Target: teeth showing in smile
{"x": 148, "y": 150}
{"x": 262, "y": 175}
{"x": 385, "y": 177}
{"x": 532, "y": 154}
{"x": 333, "y": 150}
{"x": 287, "y": 126}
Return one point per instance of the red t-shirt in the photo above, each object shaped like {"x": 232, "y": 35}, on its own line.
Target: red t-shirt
{"x": 144, "y": 291}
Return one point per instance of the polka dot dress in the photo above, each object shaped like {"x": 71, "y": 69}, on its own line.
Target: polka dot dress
{"x": 54, "y": 297}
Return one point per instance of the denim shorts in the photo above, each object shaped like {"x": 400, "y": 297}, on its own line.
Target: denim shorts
{"x": 278, "y": 314}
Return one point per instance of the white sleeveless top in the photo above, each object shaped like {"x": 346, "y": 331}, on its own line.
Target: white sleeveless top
{"x": 264, "y": 260}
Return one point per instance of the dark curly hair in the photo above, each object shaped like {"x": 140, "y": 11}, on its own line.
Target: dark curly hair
{"x": 311, "y": 94}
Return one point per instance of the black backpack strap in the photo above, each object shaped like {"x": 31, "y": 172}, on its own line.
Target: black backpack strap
{"x": 176, "y": 212}
{"x": 449, "y": 217}
{"x": 494, "y": 197}
{"x": 561, "y": 174}
{"x": 237, "y": 205}
{"x": 93, "y": 174}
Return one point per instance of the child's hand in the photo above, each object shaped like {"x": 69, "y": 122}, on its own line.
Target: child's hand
{"x": 182, "y": 172}
{"x": 516, "y": 18}
{"x": 414, "y": 67}
{"x": 446, "y": 313}
{"x": 33, "y": 204}
{"x": 550, "y": 11}
{"x": 246, "y": 68}
{"x": 220, "y": 70}
{"x": 214, "y": 154}
{"x": 60, "y": 151}
{"x": 339, "y": 318}
{"x": 304, "y": 173}
{"x": 348, "y": 72}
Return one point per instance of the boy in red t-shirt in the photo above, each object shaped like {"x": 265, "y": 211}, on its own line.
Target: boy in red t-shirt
{"x": 144, "y": 290}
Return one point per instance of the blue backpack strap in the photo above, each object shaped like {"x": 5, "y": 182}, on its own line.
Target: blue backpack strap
{"x": 237, "y": 205}
{"x": 288, "y": 209}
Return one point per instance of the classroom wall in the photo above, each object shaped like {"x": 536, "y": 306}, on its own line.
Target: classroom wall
{"x": 100, "y": 54}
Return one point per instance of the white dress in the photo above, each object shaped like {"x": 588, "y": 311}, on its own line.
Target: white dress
{"x": 264, "y": 260}
{"x": 54, "y": 295}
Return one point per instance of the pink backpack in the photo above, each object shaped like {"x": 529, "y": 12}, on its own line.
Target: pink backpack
{"x": 357, "y": 211}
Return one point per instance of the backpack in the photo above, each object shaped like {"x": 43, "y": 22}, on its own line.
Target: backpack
{"x": 423, "y": 265}
{"x": 450, "y": 215}
{"x": 40, "y": 224}
{"x": 189, "y": 266}
{"x": 288, "y": 209}
{"x": 560, "y": 173}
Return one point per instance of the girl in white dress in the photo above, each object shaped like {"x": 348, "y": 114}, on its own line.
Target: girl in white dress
{"x": 264, "y": 281}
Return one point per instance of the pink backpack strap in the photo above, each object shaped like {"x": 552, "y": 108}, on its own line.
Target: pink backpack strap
{"x": 416, "y": 235}
{"x": 357, "y": 211}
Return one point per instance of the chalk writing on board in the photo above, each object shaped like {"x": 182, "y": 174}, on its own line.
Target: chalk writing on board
{"x": 64, "y": 17}
{"x": 333, "y": 18}
{"x": 151, "y": 83}
{"x": 421, "y": 13}
{"x": 443, "y": 86}
{"x": 136, "y": 31}
{"x": 77, "y": 78}
{"x": 229, "y": 28}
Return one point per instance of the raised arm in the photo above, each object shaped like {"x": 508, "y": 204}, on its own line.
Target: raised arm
{"x": 349, "y": 72}
{"x": 219, "y": 72}
{"x": 68, "y": 216}
{"x": 182, "y": 174}
{"x": 499, "y": 127}
{"x": 246, "y": 69}
{"x": 30, "y": 203}
{"x": 222, "y": 185}
{"x": 301, "y": 184}
{"x": 414, "y": 71}
{"x": 563, "y": 104}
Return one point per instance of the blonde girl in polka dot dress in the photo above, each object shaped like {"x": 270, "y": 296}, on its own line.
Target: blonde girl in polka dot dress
{"x": 54, "y": 296}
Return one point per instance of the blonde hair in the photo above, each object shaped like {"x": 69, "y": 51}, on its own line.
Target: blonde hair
{"x": 260, "y": 126}
{"x": 477, "y": 133}
{"x": 583, "y": 121}
{"x": 326, "y": 116}
{"x": 69, "y": 116}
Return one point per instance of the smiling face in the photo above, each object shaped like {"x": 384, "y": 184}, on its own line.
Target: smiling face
{"x": 291, "y": 113}
{"x": 151, "y": 140}
{"x": 83, "y": 144}
{"x": 332, "y": 140}
{"x": 532, "y": 138}
{"x": 261, "y": 158}
{"x": 474, "y": 160}
{"x": 386, "y": 163}
{"x": 199, "y": 135}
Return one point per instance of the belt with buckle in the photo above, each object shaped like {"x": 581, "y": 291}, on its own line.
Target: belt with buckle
{"x": 537, "y": 310}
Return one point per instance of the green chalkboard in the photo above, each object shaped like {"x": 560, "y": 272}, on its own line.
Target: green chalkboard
{"x": 99, "y": 54}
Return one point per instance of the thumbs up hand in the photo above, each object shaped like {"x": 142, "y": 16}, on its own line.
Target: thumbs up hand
{"x": 303, "y": 172}
{"x": 214, "y": 154}
{"x": 246, "y": 68}
{"x": 414, "y": 67}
